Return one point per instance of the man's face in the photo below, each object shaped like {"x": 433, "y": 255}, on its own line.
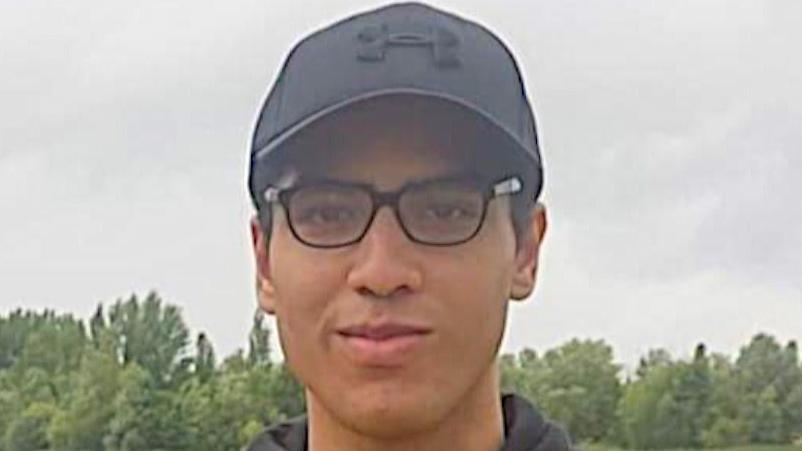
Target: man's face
{"x": 459, "y": 294}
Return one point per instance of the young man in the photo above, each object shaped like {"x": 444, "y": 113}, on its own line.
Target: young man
{"x": 395, "y": 172}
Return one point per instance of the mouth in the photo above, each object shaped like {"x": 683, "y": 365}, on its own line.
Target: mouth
{"x": 383, "y": 331}
{"x": 383, "y": 346}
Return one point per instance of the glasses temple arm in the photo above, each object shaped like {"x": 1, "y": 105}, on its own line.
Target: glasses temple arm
{"x": 509, "y": 186}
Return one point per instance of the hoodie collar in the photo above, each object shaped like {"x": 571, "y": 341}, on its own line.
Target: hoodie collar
{"x": 525, "y": 429}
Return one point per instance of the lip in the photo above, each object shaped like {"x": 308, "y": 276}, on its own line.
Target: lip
{"x": 380, "y": 331}
{"x": 387, "y": 345}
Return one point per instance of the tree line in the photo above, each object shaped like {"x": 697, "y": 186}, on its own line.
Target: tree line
{"x": 708, "y": 401}
{"x": 132, "y": 378}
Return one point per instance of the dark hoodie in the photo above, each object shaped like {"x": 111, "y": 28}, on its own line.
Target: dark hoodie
{"x": 524, "y": 430}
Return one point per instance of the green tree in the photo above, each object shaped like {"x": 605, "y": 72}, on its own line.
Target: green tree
{"x": 204, "y": 358}
{"x": 768, "y": 375}
{"x": 793, "y": 413}
{"x": 220, "y": 410}
{"x": 152, "y": 335}
{"x": 14, "y": 332}
{"x": 259, "y": 341}
{"x": 10, "y": 405}
{"x": 582, "y": 388}
{"x": 576, "y": 384}
{"x": 145, "y": 418}
{"x": 225, "y": 412}
{"x": 83, "y": 421}
{"x": 669, "y": 405}
{"x": 44, "y": 340}
{"x": 236, "y": 362}
{"x": 653, "y": 359}
{"x": 790, "y": 392}
{"x": 693, "y": 391}
{"x": 97, "y": 325}
{"x": 764, "y": 418}
{"x": 726, "y": 425}
{"x": 643, "y": 409}
{"x": 725, "y": 432}
{"x": 28, "y": 432}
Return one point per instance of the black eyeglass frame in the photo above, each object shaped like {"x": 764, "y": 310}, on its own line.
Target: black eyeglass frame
{"x": 507, "y": 186}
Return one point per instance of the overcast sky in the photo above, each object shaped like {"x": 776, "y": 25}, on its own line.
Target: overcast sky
{"x": 671, "y": 135}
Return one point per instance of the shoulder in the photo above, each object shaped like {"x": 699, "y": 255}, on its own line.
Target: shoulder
{"x": 526, "y": 429}
{"x": 287, "y": 436}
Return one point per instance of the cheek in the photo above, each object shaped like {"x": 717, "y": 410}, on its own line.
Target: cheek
{"x": 474, "y": 286}
{"x": 491, "y": 255}
{"x": 304, "y": 289}
{"x": 477, "y": 288}
{"x": 302, "y": 279}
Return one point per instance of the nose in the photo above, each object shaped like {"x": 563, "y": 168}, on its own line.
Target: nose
{"x": 384, "y": 267}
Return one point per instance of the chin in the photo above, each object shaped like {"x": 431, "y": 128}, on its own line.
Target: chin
{"x": 390, "y": 412}
{"x": 392, "y": 424}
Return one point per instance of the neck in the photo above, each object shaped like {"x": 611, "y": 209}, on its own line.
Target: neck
{"x": 476, "y": 423}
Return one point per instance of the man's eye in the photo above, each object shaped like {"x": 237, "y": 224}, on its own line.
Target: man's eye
{"x": 326, "y": 215}
{"x": 449, "y": 212}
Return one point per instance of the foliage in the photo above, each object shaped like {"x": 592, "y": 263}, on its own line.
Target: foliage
{"x": 153, "y": 336}
{"x": 713, "y": 403}
{"x": 131, "y": 383}
{"x": 28, "y": 432}
{"x": 83, "y": 419}
{"x": 577, "y": 384}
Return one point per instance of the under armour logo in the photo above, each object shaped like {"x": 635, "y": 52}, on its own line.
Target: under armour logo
{"x": 374, "y": 41}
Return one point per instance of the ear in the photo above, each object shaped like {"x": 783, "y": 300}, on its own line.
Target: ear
{"x": 528, "y": 253}
{"x": 264, "y": 287}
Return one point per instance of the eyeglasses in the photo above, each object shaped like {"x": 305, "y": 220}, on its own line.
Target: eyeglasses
{"x": 439, "y": 212}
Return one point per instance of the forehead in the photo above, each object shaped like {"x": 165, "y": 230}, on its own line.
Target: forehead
{"x": 389, "y": 141}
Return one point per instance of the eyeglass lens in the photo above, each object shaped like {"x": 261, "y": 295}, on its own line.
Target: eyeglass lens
{"x": 436, "y": 213}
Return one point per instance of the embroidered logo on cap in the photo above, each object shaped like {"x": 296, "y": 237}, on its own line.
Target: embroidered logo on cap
{"x": 375, "y": 40}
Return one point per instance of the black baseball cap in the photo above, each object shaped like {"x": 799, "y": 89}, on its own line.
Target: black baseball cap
{"x": 402, "y": 49}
